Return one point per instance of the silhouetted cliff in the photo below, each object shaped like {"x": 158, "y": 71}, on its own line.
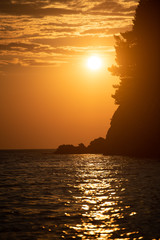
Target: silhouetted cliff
{"x": 95, "y": 146}
{"x": 70, "y": 149}
{"x": 135, "y": 126}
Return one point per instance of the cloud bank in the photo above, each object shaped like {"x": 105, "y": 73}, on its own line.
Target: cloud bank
{"x": 49, "y": 30}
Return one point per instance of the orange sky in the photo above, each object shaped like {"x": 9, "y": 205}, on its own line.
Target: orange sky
{"x": 48, "y": 96}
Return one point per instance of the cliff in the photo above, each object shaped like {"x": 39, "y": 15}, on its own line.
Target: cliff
{"x": 95, "y": 147}
{"x": 135, "y": 126}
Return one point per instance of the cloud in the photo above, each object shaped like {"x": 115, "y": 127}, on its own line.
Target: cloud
{"x": 78, "y": 41}
{"x": 112, "y": 6}
{"x": 18, "y": 47}
{"x": 40, "y": 8}
{"x": 58, "y": 29}
{"x": 62, "y": 24}
{"x": 32, "y": 8}
{"x": 106, "y": 31}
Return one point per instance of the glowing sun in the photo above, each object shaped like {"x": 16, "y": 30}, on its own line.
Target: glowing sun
{"x": 94, "y": 63}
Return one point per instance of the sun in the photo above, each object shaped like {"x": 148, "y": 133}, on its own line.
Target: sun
{"x": 94, "y": 63}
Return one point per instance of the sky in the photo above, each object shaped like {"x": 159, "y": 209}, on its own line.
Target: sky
{"x": 48, "y": 95}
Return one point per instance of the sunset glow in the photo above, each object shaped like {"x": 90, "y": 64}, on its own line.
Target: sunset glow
{"x": 80, "y": 114}
{"x": 94, "y": 63}
{"x": 54, "y": 84}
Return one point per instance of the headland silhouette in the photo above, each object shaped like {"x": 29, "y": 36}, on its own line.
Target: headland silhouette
{"x": 95, "y": 146}
{"x": 135, "y": 125}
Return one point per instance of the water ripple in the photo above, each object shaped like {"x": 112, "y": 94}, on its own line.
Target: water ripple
{"x": 46, "y": 196}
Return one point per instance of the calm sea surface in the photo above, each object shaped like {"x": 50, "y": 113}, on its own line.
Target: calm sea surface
{"x": 45, "y": 196}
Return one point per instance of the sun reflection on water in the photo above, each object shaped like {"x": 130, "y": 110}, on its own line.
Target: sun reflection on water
{"x": 82, "y": 197}
{"x": 100, "y": 206}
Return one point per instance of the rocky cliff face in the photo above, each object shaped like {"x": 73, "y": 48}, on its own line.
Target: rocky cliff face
{"x": 134, "y": 131}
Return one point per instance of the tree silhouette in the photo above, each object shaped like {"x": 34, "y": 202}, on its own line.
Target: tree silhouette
{"x": 135, "y": 125}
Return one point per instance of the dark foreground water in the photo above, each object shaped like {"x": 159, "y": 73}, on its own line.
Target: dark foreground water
{"x": 45, "y": 196}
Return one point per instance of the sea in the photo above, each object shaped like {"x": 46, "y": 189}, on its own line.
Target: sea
{"x": 44, "y": 196}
